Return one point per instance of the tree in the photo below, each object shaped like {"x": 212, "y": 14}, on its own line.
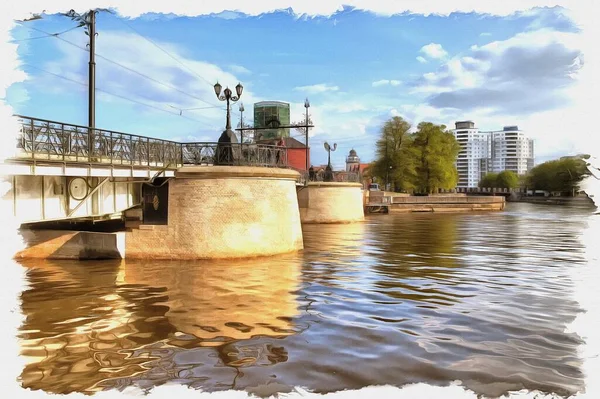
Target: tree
{"x": 507, "y": 179}
{"x": 489, "y": 180}
{"x": 436, "y": 150}
{"x": 394, "y": 161}
{"x": 561, "y": 175}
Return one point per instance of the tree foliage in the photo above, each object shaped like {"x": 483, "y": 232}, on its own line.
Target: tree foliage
{"x": 395, "y": 162}
{"x": 562, "y": 175}
{"x": 504, "y": 179}
{"x": 507, "y": 179}
{"x": 421, "y": 162}
{"x": 489, "y": 180}
{"x": 436, "y": 150}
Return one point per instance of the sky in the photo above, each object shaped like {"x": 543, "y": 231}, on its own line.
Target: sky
{"x": 358, "y": 68}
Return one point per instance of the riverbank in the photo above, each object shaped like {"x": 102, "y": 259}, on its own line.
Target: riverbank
{"x": 582, "y": 201}
{"x": 376, "y": 202}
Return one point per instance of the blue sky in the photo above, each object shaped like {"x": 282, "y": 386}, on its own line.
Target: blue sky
{"x": 356, "y": 67}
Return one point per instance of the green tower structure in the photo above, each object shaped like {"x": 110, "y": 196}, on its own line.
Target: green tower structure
{"x": 272, "y": 114}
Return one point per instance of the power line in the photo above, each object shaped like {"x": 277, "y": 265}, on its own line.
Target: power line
{"x": 112, "y": 94}
{"x": 47, "y": 35}
{"x": 164, "y": 51}
{"x": 174, "y": 58}
{"x": 127, "y": 68}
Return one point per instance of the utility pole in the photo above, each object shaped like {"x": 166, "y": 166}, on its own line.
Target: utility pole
{"x": 91, "y": 17}
{"x": 307, "y": 106}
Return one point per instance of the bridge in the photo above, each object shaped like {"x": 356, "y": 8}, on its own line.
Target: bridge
{"x": 67, "y": 172}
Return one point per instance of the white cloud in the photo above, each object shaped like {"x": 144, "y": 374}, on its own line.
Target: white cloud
{"x": 485, "y": 34}
{"x": 195, "y": 88}
{"x": 318, "y": 88}
{"x": 239, "y": 69}
{"x": 534, "y": 79}
{"x": 421, "y": 59}
{"x": 434, "y": 50}
{"x": 386, "y": 82}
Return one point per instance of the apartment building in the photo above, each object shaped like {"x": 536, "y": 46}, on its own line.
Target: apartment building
{"x": 511, "y": 150}
{"x": 491, "y": 151}
{"x": 473, "y": 159}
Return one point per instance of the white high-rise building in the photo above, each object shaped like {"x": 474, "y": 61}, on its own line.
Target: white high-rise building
{"x": 484, "y": 152}
{"x": 511, "y": 150}
{"x": 473, "y": 159}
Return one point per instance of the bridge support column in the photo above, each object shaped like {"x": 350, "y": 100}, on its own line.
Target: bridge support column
{"x": 223, "y": 212}
{"x": 331, "y": 202}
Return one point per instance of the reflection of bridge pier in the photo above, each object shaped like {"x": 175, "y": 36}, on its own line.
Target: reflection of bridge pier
{"x": 112, "y": 324}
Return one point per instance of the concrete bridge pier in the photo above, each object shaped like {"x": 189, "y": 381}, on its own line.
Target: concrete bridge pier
{"x": 331, "y": 202}
{"x": 222, "y": 212}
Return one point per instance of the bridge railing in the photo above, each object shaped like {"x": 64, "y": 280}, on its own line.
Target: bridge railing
{"x": 41, "y": 139}
{"x": 234, "y": 154}
{"x": 337, "y": 176}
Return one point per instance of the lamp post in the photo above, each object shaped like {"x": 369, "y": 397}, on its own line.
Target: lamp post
{"x": 328, "y": 170}
{"x": 228, "y": 96}
{"x": 242, "y": 122}
{"x": 307, "y": 106}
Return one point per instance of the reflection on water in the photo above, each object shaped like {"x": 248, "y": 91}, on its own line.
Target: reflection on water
{"x": 481, "y": 298}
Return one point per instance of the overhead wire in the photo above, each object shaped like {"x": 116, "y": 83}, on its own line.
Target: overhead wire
{"x": 170, "y": 55}
{"x": 109, "y": 93}
{"x": 131, "y": 70}
{"x": 45, "y": 36}
{"x": 163, "y": 50}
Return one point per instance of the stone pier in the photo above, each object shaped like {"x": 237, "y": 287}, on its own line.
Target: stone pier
{"x": 223, "y": 212}
{"x": 331, "y": 202}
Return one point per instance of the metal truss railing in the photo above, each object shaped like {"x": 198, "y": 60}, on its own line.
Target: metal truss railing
{"x": 339, "y": 176}
{"x": 41, "y": 139}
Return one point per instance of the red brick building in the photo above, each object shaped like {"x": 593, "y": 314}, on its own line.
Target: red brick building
{"x": 296, "y": 152}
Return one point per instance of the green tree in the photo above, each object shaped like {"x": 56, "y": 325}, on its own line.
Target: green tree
{"x": 395, "y": 161}
{"x": 489, "y": 180}
{"x": 561, "y": 175}
{"x": 435, "y": 150}
{"x": 507, "y": 179}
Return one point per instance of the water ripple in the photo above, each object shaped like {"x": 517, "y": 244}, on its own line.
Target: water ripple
{"x": 398, "y": 299}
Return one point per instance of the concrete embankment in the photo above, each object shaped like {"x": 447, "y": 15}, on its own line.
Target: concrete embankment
{"x": 582, "y": 201}
{"x": 440, "y": 203}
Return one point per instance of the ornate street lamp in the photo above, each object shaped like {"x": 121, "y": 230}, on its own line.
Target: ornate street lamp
{"x": 227, "y": 96}
{"x": 328, "y": 170}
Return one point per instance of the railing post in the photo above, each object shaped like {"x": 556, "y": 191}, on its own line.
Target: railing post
{"x": 64, "y": 141}
{"x": 32, "y": 141}
{"x": 90, "y": 144}
{"x": 148, "y": 149}
{"x": 110, "y": 155}
{"x": 47, "y": 146}
{"x": 131, "y": 152}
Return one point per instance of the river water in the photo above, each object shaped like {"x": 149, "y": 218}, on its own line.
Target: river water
{"x": 483, "y": 298}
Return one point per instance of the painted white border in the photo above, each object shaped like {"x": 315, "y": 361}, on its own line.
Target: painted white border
{"x": 586, "y": 325}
